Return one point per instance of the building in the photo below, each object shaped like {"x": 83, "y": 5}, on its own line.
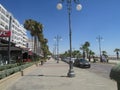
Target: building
{"x": 18, "y": 37}
{"x": 35, "y": 49}
{"x": 18, "y": 32}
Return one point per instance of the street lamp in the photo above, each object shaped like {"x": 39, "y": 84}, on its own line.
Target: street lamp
{"x": 9, "y": 43}
{"x": 99, "y": 38}
{"x": 57, "y": 38}
{"x": 69, "y": 8}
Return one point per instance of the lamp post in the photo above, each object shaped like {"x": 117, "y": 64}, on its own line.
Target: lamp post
{"x": 57, "y": 38}
{"x": 9, "y": 44}
{"x": 69, "y": 8}
{"x": 99, "y": 38}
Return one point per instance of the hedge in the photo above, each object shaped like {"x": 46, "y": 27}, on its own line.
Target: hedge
{"x": 2, "y": 74}
{"x": 115, "y": 74}
{"x": 6, "y": 72}
{"x": 8, "y": 66}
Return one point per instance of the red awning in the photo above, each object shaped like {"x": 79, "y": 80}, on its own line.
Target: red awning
{"x": 30, "y": 53}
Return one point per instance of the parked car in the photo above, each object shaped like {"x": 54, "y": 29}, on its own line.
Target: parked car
{"x": 82, "y": 63}
{"x": 67, "y": 59}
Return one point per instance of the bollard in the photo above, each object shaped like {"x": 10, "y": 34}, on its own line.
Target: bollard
{"x": 118, "y": 85}
{"x": 22, "y": 73}
{"x": 42, "y": 62}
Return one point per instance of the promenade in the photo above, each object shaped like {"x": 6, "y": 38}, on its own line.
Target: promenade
{"x": 53, "y": 76}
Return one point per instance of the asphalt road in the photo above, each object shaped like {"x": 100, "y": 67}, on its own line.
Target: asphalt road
{"x": 102, "y": 69}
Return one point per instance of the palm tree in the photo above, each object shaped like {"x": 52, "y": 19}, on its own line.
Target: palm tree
{"x": 104, "y": 53}
{"x": 91, "y": 53}
{"x": 87, "y": 45}
{"x": 117, "y": 52}
{"x": 45, "y": 47}
{"x": 76, "y": 53}
{"x": 85, "y": 48}
{"x": 35, "y": 29}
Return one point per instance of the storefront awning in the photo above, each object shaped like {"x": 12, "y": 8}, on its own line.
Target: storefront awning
{"x": 11, "y": 48}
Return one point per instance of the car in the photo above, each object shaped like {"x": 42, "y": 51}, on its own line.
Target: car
{"x": 68, "y": 59}
{"x": 83, "y": 63}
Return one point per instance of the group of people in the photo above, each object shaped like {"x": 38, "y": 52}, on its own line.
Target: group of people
{"x": 104, "y": 58}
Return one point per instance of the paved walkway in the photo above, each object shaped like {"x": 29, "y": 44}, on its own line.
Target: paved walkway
{"x": 52, "y": 76}
{"x": 114, "y": 61}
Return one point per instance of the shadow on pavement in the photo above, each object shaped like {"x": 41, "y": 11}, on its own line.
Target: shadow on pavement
{"x": 41, "y": 75}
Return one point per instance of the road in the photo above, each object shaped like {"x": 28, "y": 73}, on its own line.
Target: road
{"x": 102, "y": 69}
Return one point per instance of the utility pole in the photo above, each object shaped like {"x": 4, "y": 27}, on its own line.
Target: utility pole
{"x": 57, "y": 38}
{"x": 99, "y": 38}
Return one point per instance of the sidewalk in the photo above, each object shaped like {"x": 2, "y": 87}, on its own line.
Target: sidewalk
{"x": 110, "y": 61}
{"x": 114, "y": 61}
{"x": 52, "y": 76}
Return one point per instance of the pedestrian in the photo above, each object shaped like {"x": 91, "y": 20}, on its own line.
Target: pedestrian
{"x": 42, "y": 62}
{"x": 94, "y": 60}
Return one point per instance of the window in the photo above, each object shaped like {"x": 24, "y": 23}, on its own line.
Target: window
{"x": 6, "y": 27}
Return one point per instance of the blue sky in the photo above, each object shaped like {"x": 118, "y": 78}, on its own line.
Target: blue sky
{"x": 97, "y": 17}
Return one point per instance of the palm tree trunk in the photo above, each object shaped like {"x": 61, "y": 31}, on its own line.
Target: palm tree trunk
{"x": 117, "y": 55}
{"x": 35, "y": 44}
{"x": 89, "y": 58}
{"x": 83, "y": 54}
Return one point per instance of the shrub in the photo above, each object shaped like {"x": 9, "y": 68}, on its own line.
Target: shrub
{"x": 9, "y": 72}
{"x": 2, "y": 74}
{"x": 2, "y": 68}
{"x": 12, "y": 65}
{"x": 115, "y": 74}
{"x": 8, "y": 66}
{"x": 16, "y": 69}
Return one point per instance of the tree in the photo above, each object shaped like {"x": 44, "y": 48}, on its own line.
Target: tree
{"x": 104, "y": 53}
{"x": 35, "y": 29}
{"x": 65, "y": 54}
{"x": 45, "y": 47}
{"x": 104, "y": 56}
{"x": 87, "y": 45}
{"x": 85, "y": 48}
{"x": 91, "y": 53}
{"x": 117, "y": 52}
{"x": 76, "y": 54}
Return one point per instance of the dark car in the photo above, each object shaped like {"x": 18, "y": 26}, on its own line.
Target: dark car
{"x": 82, "y": 63}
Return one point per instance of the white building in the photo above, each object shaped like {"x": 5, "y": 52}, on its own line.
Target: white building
{"x": 37, "y": 49}
{"x": 18, "y": 32}
{"x": 30, "y": 44}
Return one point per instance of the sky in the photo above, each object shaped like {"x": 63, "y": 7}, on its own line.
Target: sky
{"x": 97, "y": 18}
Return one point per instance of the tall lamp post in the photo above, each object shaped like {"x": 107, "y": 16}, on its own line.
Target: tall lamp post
{"x": 69, "y": 8}
{"x": 9, "y": 43}
{"x": 99, "y": 38}
{"x": 57, "y": 38}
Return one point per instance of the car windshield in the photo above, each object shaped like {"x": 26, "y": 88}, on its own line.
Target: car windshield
{"x": 83, "y": 60}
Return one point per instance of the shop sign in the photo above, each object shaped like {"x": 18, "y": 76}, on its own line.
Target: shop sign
{"x": 5, "y": 33}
